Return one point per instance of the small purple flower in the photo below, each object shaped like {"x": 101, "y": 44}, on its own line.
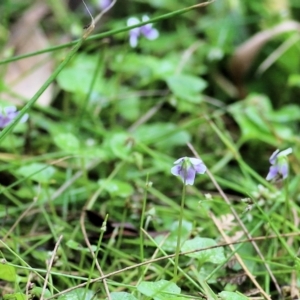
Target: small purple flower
{"x": 7, "y": 115}
{"x": 146, "y": 30}
{"x": 187, "y": 167}
{"x": 280, "y": 167}
{"x": 104, "y": 4}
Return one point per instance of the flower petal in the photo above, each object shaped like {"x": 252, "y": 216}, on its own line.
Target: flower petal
{"x": 104, "y": 4}
{"x": 145, "y": 18}
{"x": 273, "y": 157}
{"x": 132, "y": 21}
{"x": 133, "y": 41}
{"x": 195, "y": 161}
{"x": 176, "y": 170}
{"x": 284, "y": 170}
{"x": 285, "y": 152}
{"x": 178, "y": 161}
{"x": 10, "y": 109}
{"x": 189, "y": 176}
{"x": 201, "y": 168}
{"x": 274, "y": 170}
{"x": 24, "y": 118}
{"x": 149, "y": 32}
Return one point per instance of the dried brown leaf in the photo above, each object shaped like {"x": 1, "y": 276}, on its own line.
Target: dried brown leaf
{"x": 237, "y": 279}
{"x": 245, "y": 54}
{"x": 252, "y": 292}
{"x": 227, "y": 222}
{"x": 24, "y": 77}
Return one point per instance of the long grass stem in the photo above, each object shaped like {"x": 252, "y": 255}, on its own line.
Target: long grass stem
{"x": 178, "y": 246}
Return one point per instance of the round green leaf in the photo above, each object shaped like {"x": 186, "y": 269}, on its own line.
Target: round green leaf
{"x": 159, "y": 290}
{"x": 122, "y": 296}
{"x": 116, "y": 187}
{"x": 187, "y": 86}
{"x": 7, "y": 273}
{"x": 215, "y": 255}
{"x": 67, "y": 142}
{"x": 38, "y": 172}
{"x": 170, "y": 243}
{"x": 16, "y": 296}
{"x": 78, "y": 294}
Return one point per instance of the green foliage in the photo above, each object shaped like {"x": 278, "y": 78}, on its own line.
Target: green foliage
{"x": 7, "y": 273}
{"x": 117, "y": 119}
{"x": 16, "y": 296}
{"x": 116, "y": 188}
{"x": 67, "y": 142}
{"x": 215, "y": 256}
{"x": 169, "y": 244}
{"x": 160, "y": 290}
{"x": 231, "y": 296}
{"x": 38, "y": 291}
{"x": 162, "y": 135}
{"x": 76, "y": 246}
{"x": 78, "y": 76}
{"x": 38, "y": 172}
{"x": 258, "y": 120}
{"x": 78, "y": 294}
{"x": 122, "y": 296}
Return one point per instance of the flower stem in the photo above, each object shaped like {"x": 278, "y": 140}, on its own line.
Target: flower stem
{"x": 178, "y": 246}
{"x": 287, "y": 204}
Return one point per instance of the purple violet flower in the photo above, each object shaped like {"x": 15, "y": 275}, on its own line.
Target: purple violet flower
{"x": 104, "y": 4}
{"x": 279, "y": 162}
{"x": 146, "y": 30}
{"x": 187, "y": 167}
{"x": 7, "y": 115}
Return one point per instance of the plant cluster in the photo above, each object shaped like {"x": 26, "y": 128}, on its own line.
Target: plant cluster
{"x": 206, "y": 92}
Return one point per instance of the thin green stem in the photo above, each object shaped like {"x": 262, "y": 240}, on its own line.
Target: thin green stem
{"x": 106, "y": 34}
{"x": 143, "y": 219}
{"x": 287, "y": 204}
{"x": 102, "y": 230}
{"x": 32, "y": 101}
{"x": 178, "y": 246}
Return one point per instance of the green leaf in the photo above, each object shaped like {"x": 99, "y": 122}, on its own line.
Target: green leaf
{"x": 116, "y": 187}
{"x": 170, "y": 243}
{"x": 249, "y": 115}
{"x": 287, "y": 113}
{"x": 78, "y": 75}
{"x": 162, "y": 135}
{"x": 67, "y": 142}
{"x": 7, "y": 273}
{"x": 121, "y": 296}
{"x": 119, "y": 144}
{"x": 294, "y": 80}
{"x": 16, "y": 296}
{"x": 232, "y": 296}
{"x": 144, "y": 69}
{"x": 129, "y": 108}
{"x": 37, "y": 292}
{"x": 215, "y": 255}
{"x": 157, "y": 290}
{"x": 38, "y": 172}
{"x": 78, "y": 294}
{"x": 187, "y": 87}
{"x": 257, "y": 120}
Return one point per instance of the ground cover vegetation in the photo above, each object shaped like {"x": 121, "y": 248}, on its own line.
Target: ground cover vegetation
{"x": 151, "y": 151}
